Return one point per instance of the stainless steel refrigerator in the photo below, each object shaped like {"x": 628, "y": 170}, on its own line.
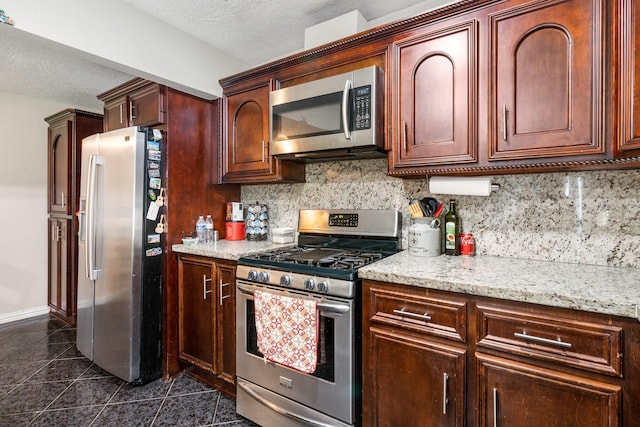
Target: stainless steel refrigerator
{"x": 120, "y": 244}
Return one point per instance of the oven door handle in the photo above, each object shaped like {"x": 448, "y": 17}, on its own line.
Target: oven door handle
{"x": 328, "y": 307}
{"x": 300, "y": 418}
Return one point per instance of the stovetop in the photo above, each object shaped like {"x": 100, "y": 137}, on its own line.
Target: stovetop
{"x": 316, "y": 261}
{"x": 332, "y": 246}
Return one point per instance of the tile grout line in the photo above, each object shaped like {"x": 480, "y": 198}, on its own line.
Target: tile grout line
{"x": 108, "y": 401}
{"x": 59, "y": 394}
{"x": 162, "y": 403}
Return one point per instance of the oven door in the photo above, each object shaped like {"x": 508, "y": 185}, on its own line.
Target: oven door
{"x": 333, "y": 389}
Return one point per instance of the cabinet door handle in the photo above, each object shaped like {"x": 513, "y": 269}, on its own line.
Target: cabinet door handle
{"x": 558, "y": 342}
{"x": 263, "y": 156}
{"x": 403, "y": 313}
{"x": 64, "y": 201}
{"x": 204, "y": 286}
{"x": 121, "y": 115}
{"x": 404, "y": 135}
{"x": 495, "y": 407}
{"x": 131, "y": 108}
{"x": 222, "y": 285}
{"x": 54, "y": 232}
{"x": 445, "y": 378}
{"x": 504, "y": 122}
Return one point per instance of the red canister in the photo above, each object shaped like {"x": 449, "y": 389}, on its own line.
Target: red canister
{"x": 467, "y": 244}
{"x": 235, "y": 230}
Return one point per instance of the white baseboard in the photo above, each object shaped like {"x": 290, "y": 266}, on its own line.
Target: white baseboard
{"x": 23, "y": 314}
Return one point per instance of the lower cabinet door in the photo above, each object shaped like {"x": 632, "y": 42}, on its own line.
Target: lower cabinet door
{"x": 513, "y": 394}
{"x": 411, "y": 381}
{"x": 195, "y": 316}
{"x": 226, "y": 324}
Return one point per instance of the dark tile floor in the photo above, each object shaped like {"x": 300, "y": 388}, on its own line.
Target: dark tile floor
{"x": 44, "y": 381}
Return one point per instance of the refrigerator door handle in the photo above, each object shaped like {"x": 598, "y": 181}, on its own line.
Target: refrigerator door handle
{"x": 90, "y": 249}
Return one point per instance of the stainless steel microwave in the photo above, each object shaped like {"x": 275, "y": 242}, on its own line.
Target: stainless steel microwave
{"x": 337, "y": 117}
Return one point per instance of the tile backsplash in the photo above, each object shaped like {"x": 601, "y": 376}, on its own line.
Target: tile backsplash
{"x": 578, "y": 217}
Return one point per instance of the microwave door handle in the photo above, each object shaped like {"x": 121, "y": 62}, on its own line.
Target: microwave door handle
{"x": 345, "y": 109}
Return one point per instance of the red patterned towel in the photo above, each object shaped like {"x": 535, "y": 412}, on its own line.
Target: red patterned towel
{"x": 287, "y": 330}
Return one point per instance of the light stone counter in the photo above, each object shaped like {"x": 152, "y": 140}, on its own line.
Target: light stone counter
{"x": 229, "y": 249}
{"x": 600, "y": 289}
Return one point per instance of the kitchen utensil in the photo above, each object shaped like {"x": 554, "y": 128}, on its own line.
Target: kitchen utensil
{"x": 438, "y": 211}
{"x": 415, "y": 209}
{"x": 429, "y": 205}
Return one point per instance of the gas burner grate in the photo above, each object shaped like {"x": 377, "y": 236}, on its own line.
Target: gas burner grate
{"x": 321, "y": 257}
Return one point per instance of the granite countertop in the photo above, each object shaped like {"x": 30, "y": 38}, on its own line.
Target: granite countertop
{"x": 229, "y": 249}
{"x": 600, "y": 289}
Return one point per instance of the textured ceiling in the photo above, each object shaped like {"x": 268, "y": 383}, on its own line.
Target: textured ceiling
{"x": 254, "y": 31}
{"x": 257, "y": 31}
{"x": 39, "y": 68}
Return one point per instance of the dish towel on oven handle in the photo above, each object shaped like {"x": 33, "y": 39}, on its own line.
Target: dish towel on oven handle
{"x": 287, "y": 330}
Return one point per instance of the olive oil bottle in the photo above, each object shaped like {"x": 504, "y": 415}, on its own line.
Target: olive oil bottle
{"x": 452, "y": 230}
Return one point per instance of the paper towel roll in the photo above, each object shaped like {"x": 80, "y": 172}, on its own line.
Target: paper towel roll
{"x": 463, "y": 186}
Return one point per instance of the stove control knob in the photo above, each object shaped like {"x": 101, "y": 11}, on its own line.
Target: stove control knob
{"x": 263, "y": 277}
{"x": 309, "y": 284}
{"x": 252, "y": 275}
{"x": 323, "y": 287}
{"x": 285, "y": 280}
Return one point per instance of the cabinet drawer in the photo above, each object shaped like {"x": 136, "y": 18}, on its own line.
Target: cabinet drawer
{"x": 416, "y": 312}
{"x": 585, "y": 345}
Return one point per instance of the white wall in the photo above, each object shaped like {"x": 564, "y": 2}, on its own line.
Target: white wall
{"x": 23, "y": 205}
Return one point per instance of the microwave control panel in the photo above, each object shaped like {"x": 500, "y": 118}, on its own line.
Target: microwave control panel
{"x": 362, "y": 116}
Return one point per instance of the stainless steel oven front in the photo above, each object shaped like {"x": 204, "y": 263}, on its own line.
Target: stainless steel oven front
{"x": 274, "y": 395}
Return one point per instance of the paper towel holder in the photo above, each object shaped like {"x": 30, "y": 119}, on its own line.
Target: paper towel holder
{"x": 462, "y": 185}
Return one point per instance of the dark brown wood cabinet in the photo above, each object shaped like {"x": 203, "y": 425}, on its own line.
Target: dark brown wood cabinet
{"x": 445, "y": 359}
{"x": 545, "y": 82}
{"x": 61, "y": 291}
{"x": 245, "y": 151}
{"x": 66, "y": 131}
{"x": 522, "y": 395}
{"x": 434, "y": 86}
{"x": 411, "y": 376}
{"x": 513, "y": 86}
{"x": 138, "y": 102}
{"x": 206, "y": 322}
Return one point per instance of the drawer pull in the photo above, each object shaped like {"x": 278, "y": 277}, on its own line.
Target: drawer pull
{"x": 558, "y": 342}
{"x": 403, "y": 313}
{"x": 204, "y": 286}
{"x": 495, "y": 407}
{"x": 445, "y": 399}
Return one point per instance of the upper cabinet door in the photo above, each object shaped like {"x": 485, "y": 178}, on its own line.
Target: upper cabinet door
{"x": 629, "y": 31}
{"x": 59, "y": 167}
{"x": 245, "y": 154}
{"x": 116, "y": 114}
{"x": 435, "y": 97}
{"x": 146, "y": 106}
{"x": 248, "y": 131}
{"x": 546, "y": 79}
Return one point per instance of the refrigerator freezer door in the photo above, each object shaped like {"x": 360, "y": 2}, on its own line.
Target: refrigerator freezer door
{"x": 119, "y": 231}
{"x": 84, "y": 331}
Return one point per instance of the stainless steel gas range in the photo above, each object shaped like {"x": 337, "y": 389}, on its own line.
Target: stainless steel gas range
{"x": 332, "y": 245}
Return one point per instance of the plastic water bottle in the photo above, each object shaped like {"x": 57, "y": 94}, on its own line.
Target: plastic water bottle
{"x": 201, "y": 229}
{"x": 209, "y": 227}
